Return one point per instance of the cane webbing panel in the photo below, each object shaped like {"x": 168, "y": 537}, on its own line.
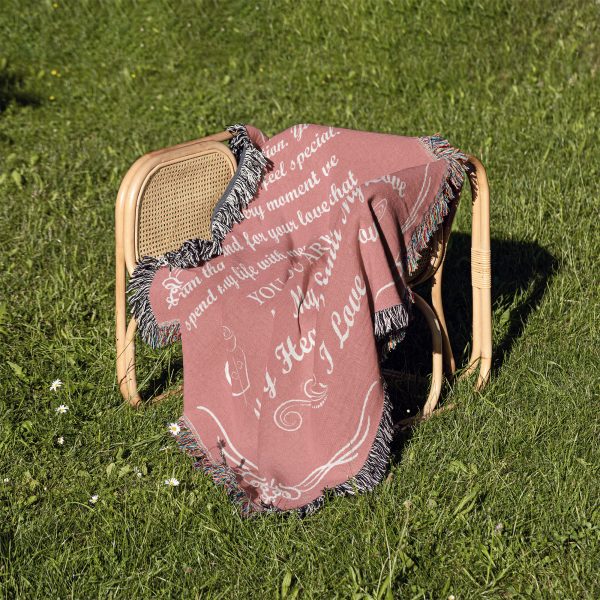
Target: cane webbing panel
{"x": 177, "y": 202}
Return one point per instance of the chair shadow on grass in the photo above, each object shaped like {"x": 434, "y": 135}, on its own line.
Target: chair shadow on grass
{"x": 520, "y": 275}
{"x": 12, "y": 89}
{"x": 166, "y": 383}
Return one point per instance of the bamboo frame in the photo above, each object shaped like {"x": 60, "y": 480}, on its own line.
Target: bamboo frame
{"x": 126, "y": 209}
{"x": 442, "y": 358}
{"x": 481, "y": 276}
{"x": 481, "y": 350}
{"x": 437, "y": 375}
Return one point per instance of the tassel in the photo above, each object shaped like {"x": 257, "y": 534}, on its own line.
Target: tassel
{"x": 221, "y": 474}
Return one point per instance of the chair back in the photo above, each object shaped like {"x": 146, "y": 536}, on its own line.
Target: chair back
{"x": 169, "y": 196}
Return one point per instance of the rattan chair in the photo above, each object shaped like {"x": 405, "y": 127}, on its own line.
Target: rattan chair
{"x": 168, "y": 196}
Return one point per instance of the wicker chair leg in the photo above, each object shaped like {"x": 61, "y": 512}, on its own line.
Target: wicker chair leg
{"x": 437, "y": 375}
{"x": 438, "y": 307}
{"x": 482, "y": 276}
{"x": 126, "y": 376}
{"x": 481, "y": 354}
{"x": 121, "y": 359}
{"x": 120, "y": 310}
{"x": 476, "y": 318}
{"x": 125, "y": 334}
{"x": 133, "y": 396}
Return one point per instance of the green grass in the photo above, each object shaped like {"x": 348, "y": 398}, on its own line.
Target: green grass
{"x": 496, "y": 499}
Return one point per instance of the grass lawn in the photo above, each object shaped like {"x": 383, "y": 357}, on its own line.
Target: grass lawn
{"x": 498, "y": 498}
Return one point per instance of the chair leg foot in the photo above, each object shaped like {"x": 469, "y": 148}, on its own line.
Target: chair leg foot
{"x": 484, "y": 373}
{"x": 471, "y": 367}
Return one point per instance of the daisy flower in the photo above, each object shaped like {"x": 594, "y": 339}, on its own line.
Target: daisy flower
{"x": 174, "y": 428}
{"x": 57, "y": 383}
{"x": 62, "y": 409}
{"x": 93, "y": 499}
{"x": 172, "y": 482}
{"x": 60, "y": 441}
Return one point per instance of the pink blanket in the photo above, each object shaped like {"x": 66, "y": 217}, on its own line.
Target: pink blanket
{"x": 286, "y": 312}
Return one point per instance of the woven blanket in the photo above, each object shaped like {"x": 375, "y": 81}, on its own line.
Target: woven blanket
{"x": 287, "y": 311}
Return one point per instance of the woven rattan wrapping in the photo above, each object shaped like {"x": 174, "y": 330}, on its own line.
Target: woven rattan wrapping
{"x": 481, "y": 269}
{"x": 177, "y": 203}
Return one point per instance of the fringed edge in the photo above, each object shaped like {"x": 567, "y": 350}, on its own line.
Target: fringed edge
{"x": 390, "y": 320}
{"x": 369, "y": 476}
{"x": 448, "y": 192}
{"x": 390, "y": 324}
{"x": 252, "y": 164}
{"x": 390, "y": 344}
{"x": 221, "y": 474}
{"x": 139, "y": 303}
{"x": 373, "y": 470}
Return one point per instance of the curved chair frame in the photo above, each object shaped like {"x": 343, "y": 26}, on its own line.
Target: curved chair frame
{"x": 126, "y": 235}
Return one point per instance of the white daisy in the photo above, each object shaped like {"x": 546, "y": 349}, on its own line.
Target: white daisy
{"x": 174, "y": 428}
{"x": 93, "y": 499}
{"x": 62, "y": 409}
{"x": 6, "y": 480}
{"x": 60, "y": 441}
{"x": 172, "y": 482}
{"x": 57, "y": 383}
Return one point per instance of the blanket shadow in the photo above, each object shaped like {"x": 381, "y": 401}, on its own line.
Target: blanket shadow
{"x": 521, "y": 272}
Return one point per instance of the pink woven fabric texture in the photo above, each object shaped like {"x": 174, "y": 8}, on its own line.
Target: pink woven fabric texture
{"x": 283, "y": 329}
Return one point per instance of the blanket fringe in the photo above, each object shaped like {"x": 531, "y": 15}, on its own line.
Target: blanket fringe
{"x": 390, "y": 320}
{"x": 139, "y": 302}
{"x": 390, "y": 324}
{"x": 221, "y": 474}
{"x": 393, "y": 340}
{"x": 372, "y": 472}
{"x": 252, "y": 164}
{"x": 369, "y": 476}
{"x": 448, "y": 192}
